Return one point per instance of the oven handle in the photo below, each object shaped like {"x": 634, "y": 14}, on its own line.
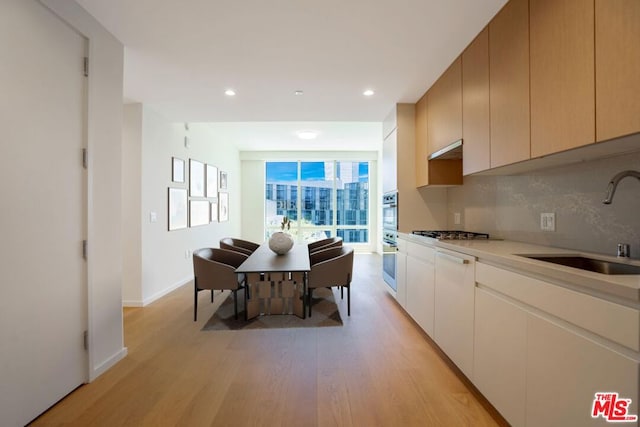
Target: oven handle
{"x": 389, "y": 247}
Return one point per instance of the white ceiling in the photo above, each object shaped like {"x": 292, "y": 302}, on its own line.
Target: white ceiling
{"x": 180, "y": 56}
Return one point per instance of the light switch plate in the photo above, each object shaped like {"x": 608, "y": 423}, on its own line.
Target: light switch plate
{"x": 456, "y": 218}
{"x": 153, "y": 216}
{"x": 548, "y": 221}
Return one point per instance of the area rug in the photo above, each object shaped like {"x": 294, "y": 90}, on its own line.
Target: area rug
{"x": 324, "y": 313}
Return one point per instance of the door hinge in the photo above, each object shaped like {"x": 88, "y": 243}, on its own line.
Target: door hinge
{"x": 84, "y": 249}
{"x": 86, "y": 66}
{"x": 85, "y": 340}
{"x": 85, "y": 158}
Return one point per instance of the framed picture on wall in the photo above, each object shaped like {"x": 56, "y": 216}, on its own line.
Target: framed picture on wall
{"x": 214, "y": 211}
{"x": 223, "y": 180}
{"x": 196, "y": 178}
{"x": 223, "y": 207}
{"x": 177, "y": 208}
{"x": 198, "y": 212}
{"x": 177, "y": 169}
{"x": 212, "y": 181}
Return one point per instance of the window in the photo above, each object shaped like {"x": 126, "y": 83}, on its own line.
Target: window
{"x": 331, "y": 198}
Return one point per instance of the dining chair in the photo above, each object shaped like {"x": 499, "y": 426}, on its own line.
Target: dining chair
{"x": 215, "y": 268}
{"x": 331, "y": 242}
{"x": 238, "y": 245}
{"x": 331, "y": 267}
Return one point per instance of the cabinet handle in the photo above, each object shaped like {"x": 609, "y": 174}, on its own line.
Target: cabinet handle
{"x": 453, "y": 258}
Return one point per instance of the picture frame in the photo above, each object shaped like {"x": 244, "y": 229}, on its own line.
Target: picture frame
{"x": 196, "y": 178}
{"x": 214, "y": 210}
{"x": 177, "y": 169}
{"x": 223, "y": 180}
{"x": 198, "y": 212}
{"x": 212, "y": 180}
{"x": 223, "y": 207}
{"x": 177, "y": 207}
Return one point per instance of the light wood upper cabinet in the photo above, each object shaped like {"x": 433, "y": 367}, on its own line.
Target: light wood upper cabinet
{"x": 422, "y": 165}
{"x": 439, "y": 172}
{"x": 475, "y": 105}
{"x": 617, "y": 35}
{"x": 562, "y": 75}
{"x": 444, "y": 118}
{"x": 509, "y": 84}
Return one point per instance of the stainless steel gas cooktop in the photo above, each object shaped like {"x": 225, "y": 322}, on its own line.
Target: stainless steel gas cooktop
{"x": 451, "y": 234}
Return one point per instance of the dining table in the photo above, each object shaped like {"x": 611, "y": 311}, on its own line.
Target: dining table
{"x": 276, "y": 284}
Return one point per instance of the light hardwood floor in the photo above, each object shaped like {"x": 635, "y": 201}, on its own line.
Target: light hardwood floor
{"x": 379, "y": 369}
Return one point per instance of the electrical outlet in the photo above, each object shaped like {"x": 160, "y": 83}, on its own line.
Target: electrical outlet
{"x": 186, "y": 254}
{"x": 456, "y": 218}
{"x": 548, "y": 221}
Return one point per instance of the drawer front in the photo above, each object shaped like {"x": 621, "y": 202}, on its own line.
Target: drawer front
{"x": 423, "y": 253}
{"x": 615, "y": 322}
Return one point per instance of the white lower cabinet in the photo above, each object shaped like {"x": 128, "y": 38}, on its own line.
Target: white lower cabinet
{"x": 500, "y": 354}
{"x": 540, "y": 369}
{"x": 565, "y": 370}
{"x": 454, "y": 307}
{"x": 401, "y": 279}
{"x": 420, "y": 286}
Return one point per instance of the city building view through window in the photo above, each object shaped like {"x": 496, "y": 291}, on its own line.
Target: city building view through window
{"x": 321, "y": 199}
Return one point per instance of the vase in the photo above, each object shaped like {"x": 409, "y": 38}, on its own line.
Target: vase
{"x": 280, "y": 242}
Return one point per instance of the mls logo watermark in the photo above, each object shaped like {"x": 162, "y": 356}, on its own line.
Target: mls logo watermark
{"x": 612, "y": 408}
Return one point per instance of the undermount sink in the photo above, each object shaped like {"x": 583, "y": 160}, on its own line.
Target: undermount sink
{"x": 589, "y": 264}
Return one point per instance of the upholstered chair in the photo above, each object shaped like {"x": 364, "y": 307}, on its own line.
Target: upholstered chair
{"x": 238, "y": 245}
{"x": 331, "y": 242}
{"x": 331, "y": 267}
{"x": 215, "y": 269}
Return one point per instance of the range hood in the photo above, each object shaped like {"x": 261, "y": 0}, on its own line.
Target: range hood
{"x": 452, "y": 151}
{"x": 444, "y": 167}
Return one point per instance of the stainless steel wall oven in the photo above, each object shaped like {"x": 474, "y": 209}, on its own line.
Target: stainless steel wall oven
{"x": 389, "y": 237}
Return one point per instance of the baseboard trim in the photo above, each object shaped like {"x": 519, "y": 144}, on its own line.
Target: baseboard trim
{"x": 157, "y": 295}
{"x": 108, "y": 364}
{"x": 132, "y": 303}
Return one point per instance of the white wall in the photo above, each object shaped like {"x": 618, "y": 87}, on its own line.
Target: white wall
{"x": 106, "y": 345}
{"x": 166, "y": 261}
{"x": 253, "y": 179}
{"x": 132, "y": 204}
{"x": 253, "y": 186}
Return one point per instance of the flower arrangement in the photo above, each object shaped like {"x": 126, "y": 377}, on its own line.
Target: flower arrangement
{"x": 286, "y": 222}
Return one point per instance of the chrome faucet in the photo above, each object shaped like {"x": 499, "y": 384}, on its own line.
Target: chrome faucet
{"x": 623, "y": 248}
{"x": 613, "y": 184}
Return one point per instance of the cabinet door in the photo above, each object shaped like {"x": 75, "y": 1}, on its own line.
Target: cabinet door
{"x": 445, "y": 108}
{"x": 565, "y": 370}
{"x": 420, "y": 293}
{"x": 453, "y": 313}
{"x": 617, "y": 68}
{"x": 509, "y": 84}
{"x": 475, "y": 105}
{"x": 562, "y": 75}
{"x": 389, "y": 162}
{"x": 422, "y": 164}
{"x": 499, "y": 354}
{"x": 401, "y": 279}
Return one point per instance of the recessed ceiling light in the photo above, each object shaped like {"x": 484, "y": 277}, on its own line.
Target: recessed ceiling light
{"x": 307, "y": 134}
{"x": 368, "y": 92}
{"x": 230, "y": 92}
{"x": 299, "y": 92}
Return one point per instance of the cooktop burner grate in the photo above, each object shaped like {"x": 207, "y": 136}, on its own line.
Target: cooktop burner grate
{"x": 451, "y": 234}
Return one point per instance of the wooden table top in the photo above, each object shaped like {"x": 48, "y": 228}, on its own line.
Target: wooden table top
{"x": 264, "y": 260}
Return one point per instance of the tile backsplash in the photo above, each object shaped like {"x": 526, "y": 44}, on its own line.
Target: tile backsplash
{"x": 509, "y": 207}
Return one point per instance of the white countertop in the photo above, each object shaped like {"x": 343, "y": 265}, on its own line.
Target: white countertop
{"x": 503, "y": 253}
